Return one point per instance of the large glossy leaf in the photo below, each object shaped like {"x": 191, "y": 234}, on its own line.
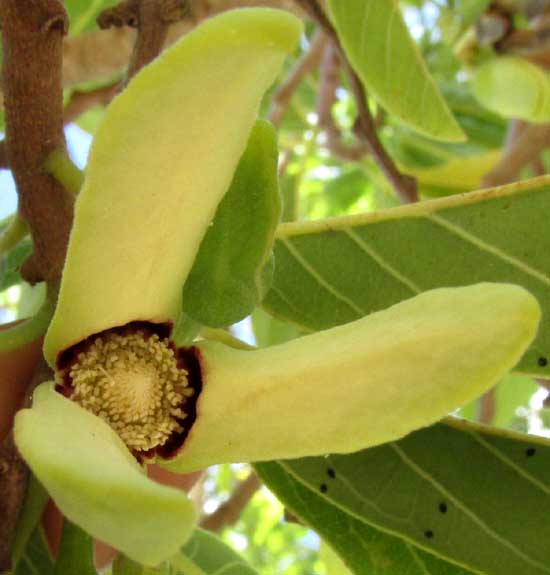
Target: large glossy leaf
{"x": 377, "y": 43}
{"x": 206, "y": 554}
{"x": 477, "y": 499}
{"x": 333, "y": 271}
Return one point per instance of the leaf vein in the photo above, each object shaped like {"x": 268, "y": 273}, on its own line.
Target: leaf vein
{"x": 387, "y": 267}
{"x": 466, "y": 510}
{"x": 320, "y": 280}
{"x": 489, "y": 248}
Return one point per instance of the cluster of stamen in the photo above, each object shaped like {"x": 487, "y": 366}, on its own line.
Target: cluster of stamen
{"x": 134, "y": 383}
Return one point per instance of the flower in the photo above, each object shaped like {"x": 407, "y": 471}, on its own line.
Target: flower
{"x": 125, "y": 394}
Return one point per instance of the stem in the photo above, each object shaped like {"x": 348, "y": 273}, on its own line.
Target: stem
{"x": 27, "y": 330}
{"x": 14, "y": 232}
{"x": 59, "y": 165}
{"x": 404, "y": 185}
{"x": 228, "y": 512}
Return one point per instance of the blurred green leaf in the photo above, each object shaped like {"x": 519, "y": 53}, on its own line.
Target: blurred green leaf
{"x": 206, "y": 554}
{"x": 443, "y": 490}
{"x": 9, "y": 265}
{"x": 378, "y": 45}
{"x": 76, "y": 552}
{"x": 33, "y": 507}
{"x": 232, "y": 270}
{"x": 83, "y": 14}
{"x": 512, "y": 392}
{"x": 332, "y": 272}
{"x": 36, "y": 559}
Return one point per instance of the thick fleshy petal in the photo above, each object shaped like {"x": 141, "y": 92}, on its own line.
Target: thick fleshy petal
{"x": 97, "y": 483}
{"x": 360, "y": 384}
{"x": 159, "y": 165}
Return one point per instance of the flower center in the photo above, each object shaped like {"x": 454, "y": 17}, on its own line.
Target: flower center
{"x": 134, "y": 383}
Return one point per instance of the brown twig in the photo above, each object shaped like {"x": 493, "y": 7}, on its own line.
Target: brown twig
{"x": 228, "y": 512}
{"x": 404, "y": 185}
{"x": 4, "y": 165}
{"x": 307, "y": 63}
{"x": 13, "y": 479}
{"x": 80, "y": 102}
{"x": 152, "y": 19}
{"x": 32, "y": 37}
{"x": 328, "y": 84}
{"x": 487, "y": 407}
{"x": 524, "y": 143}
{"x": 13, "y": 483}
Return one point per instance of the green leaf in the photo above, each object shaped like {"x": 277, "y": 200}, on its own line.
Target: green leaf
{"x": 124, "y": 566}
{"x": 228, "y": 277}
{"x": 76, "y": 552}
{"x": 83, "y": 14}
{"x": 36, "y": 559}
{"x": 334, "y": 271}
{"x": 9, "y": 266}
{"x": 444, "y": 490}
{"x": 378, "y": 45}
{"x": 33, "y": 507}
{"x": 206, "y": 554}
{"x": 512, "y": 392}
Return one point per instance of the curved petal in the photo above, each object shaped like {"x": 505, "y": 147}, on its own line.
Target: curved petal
{"x": 360, "y": 384}
{"x": 96, "y": 482}
{"x": 159, "y": 165}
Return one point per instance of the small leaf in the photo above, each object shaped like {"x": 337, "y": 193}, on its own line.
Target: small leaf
{"x": 206, "y": 554}
{"x": 36, "y": 558}
{"x": 228, "y": 277}
{"x": 76, "y": 552}
{"x": 333, "y": 271}
{"x": 514, "y": 88}
{"x": 378, "y": 45}
{"x": 10, "y": 264}
{"x": 35, "y": 501}
{"x": 443, "y": 490}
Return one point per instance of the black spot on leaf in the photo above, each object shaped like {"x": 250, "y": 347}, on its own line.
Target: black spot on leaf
{"x": 331, "y": 473}
{"x": 530, "y": 452}
{"x": 443, "y": 507}
{"x": 429, "y": 534}
{"x": 542, "y": 361}
{"x": 323, "y": 488}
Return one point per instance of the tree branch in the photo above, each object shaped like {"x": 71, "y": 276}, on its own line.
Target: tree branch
{"x": 307, "y": 63}
{"x": 152, "y": 19}
{"x": 228, "y": 512}
{"x": 32, "y": 37}
{"x": 329, "y": 82}
{"x": 524, "y": 143}
{"x": 365, "y": 129}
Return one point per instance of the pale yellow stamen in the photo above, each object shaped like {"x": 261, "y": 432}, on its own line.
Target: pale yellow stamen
{"x": 134, "y": 384}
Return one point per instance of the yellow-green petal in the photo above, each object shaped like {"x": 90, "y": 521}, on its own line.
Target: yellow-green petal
{"x": 96, "y": 482}
{"x": 360, "y": 384}
{"x": 514, "y": 88}
{"x": 160, "y": 163}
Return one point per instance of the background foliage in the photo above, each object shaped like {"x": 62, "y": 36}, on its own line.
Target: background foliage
{"x": 420, "y": 62}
